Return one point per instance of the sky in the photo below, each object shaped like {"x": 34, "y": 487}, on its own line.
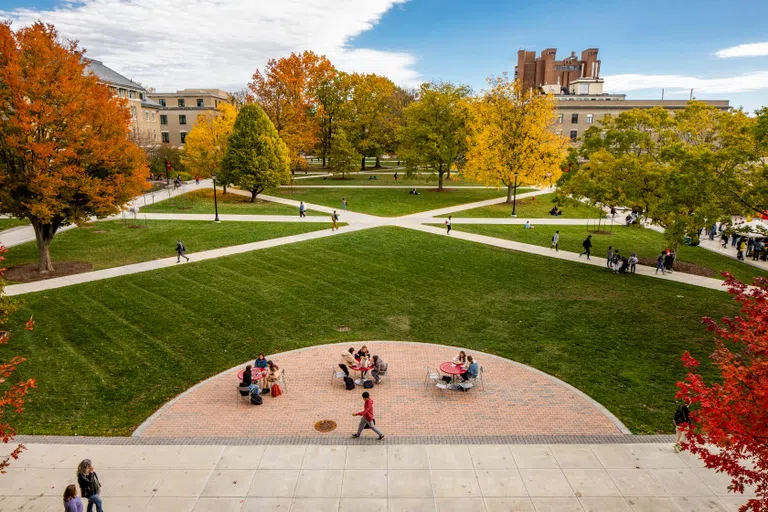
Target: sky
{"x": 719, "y": 50}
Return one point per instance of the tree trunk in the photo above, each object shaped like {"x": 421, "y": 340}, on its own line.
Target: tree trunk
{"x": 378, "y": 164}
{"x": 509, "y": 193}
{"x": 362, "y": 166}
{"x": 43, "y": 236}
{"x": 254, "y": 193}
{"x": 440, "y": 178}
{"x": 323, "y": 160}
{"x": 224, "y": 189}
{"x": 448, "y": 177}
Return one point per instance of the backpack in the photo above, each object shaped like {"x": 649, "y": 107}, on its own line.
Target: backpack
{"x": 349, "y": 383}
{"x": 257, "y": 400}
{"x": 681, "y": 415}
{"x": 368, "y": 384}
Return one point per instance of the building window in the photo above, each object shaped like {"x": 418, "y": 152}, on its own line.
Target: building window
{"x": 199, "y": 102}
{"x": 166, "y": 137}
{"x": 559, "y": 118}
{"x": 162, "y": 102}
{"x": 146, "y": 115}
{"x": 589, "y": 118}
{"x": 133, "y": 112}
{"x": 574, "y": 118}
{"x": 153, "y": 117}
{"x": 574, "y": 134}
{"x": 182, "y": 119}
{"x": 183, "y": 137}
{"x": 181, "y": 102}
{"x": 163, "y": 119}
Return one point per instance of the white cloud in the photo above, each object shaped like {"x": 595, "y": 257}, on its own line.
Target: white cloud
{"x": 174, "y": 44}
{"x": 680, "y": 83}
{"x": 744, "y": 50}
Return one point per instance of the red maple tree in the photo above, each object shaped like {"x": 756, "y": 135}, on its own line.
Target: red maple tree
{"x": 12, "y": 397}
{"x": 729, "y": 418}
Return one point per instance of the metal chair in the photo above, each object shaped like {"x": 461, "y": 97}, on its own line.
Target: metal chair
{"x": 431, "y": 376}
{"x": 337, "y": 374}
{"x": 480, "y": 377}
{"x": 282, "y": 381}
{"x": 243, "y": 393}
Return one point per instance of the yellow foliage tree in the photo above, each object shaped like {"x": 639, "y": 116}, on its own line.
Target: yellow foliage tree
{"x": 206, "y": 143}
{"x": 510, "y": 139}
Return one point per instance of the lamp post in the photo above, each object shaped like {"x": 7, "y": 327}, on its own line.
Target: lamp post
{"x": 514, "y": 200}
{"x": 215, "y": 201}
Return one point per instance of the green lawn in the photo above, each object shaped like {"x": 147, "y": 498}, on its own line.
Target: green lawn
{"x": 645, "y": 242}
{"x": 384, "y": 179}
{"x": 386, "y": 202}
{"x": 201, "y": 201}
{"x": 108, "y": 354}
{"x": 111, "y": 244}
{"x": 535, "y": 208}
{"x": 12, "y": 223}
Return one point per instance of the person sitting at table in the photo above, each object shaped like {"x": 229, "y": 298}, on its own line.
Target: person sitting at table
{"x": 363, "y": 352}
{"x": 274, "y": 376}
{"x": 461, "y": 358}
{"x": 472, "y": 369}
{"x": 248, "y": 380}
{"x": 347, "y": 360}
{"x": 379, "y": 369}
{"x": 261, "y": 363}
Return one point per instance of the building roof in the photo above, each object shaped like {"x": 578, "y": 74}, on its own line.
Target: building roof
{"x": 111, "y": 76}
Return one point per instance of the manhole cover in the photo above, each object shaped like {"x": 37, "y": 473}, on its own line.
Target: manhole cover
{"x": 325, "y": 425}
{"x": 343, "y": 328}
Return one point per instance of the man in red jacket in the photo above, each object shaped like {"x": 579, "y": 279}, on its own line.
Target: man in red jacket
{"x": 366, "y": 417}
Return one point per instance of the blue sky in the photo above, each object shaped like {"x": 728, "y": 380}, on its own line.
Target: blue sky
{"x": 218, "y": 43}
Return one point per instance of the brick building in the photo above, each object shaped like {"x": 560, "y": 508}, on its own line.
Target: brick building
{"x": 555, "y": 76}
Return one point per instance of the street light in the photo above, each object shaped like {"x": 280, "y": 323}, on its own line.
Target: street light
{"x": 215, "y": 201}
{"x": 514, "y": 201}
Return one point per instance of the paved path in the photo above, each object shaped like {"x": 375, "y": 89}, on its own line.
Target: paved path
{"x": 515, "y": 400}
{"x": 730, "y": 252}
{"x": 206, "y": 217}
{"x": 372, "y": 478}
{"x": 432, "y": 186}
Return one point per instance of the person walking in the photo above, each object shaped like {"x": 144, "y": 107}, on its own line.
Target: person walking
{"x": 180, "y": 250}
{"x": 366, "y": 417}
{"x": 660, "y": 262}
{"x": 682, "y": 417}
{"x": 742, "y": 248}
{"x": 609, "y": 258}
{"x": 395, "y": 176}
{"x": 302, "y": 210}
{"x": 633, "y": 263}
{"x": 757, "y": 249}
{"x": 90, "y": 487}
{"x": 587, "y": 245}
{"x": 556, "y": 241}
{"x": 343, "y": 203}
{"x": 448, "y": 225}
{"x": 72, "y": 502}
{"x": 334, "y": 219}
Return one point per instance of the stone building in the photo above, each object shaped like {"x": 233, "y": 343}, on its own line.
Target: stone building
{"x": 179, "y": 111}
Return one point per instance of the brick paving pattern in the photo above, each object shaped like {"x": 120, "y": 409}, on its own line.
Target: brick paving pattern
{"x": 517, "y": 401}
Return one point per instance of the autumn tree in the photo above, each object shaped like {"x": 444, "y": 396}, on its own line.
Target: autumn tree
{"x": 206, "y": 143}
{"x": 11, "y": 395}
{"x": 373, "y": 114}
{"x": 332, "y": 94}
{"x": 729, "y": 417}
{"x": 64, "y": 145}
{"x": 436, "y": 126}
{"x": 287, "y": 91}
{"x": 256, "y": 158}
{"x": 510, "y": 137}
{"x": 342, "y": 157}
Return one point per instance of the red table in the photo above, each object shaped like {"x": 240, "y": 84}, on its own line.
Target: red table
{"x": 361, "y": 369}
{"x": 256, "y": 373}
{"x": 454, "y": 370}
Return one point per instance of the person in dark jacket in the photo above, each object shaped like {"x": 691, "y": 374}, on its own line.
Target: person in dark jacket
{"x": 180, "y": 251}
{"x": 682, "y": 417}
{"x": 90, "y": 487}
{"x": 587, "y": 244}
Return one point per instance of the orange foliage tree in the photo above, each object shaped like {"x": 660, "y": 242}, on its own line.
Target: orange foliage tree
{"x": 287, "y": 91}
{"x": 11, "y": 397}
{"x": 64, "y": 149}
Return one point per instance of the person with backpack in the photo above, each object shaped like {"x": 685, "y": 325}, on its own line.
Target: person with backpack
{"x": 587, "y": 245}
{"x": 660, "y": 263}
{"x": 302, "y": 210}
{"x": 556, "y": 241}
{"x": 90, "y": 487}
{"x": 334, "y": 219}
{"x": 682, "y": 417}
{"x": 448, "y": 225}
{"x": 616, "y": 261}
{"x": 180, "y": 250}
{"x": 366, "y": 417}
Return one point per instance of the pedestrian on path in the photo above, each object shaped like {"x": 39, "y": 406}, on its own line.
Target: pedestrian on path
{"x": 302, "y": 210}
{"x": 366, "y": 417}
{"x": 556, "y": 241}
{"x": 334, "y": 219}
{"x": 633, "y": 262}
{"x": 587, "y": 245}
{"x": 90, "y": 487}
{"x": 609, "y": 258}
{"x": 448, "y": 225}
{"x": 742, "y": 249}
{"x": 72, "y": 502}
{"x": 343, "y": 203}
{"x": 180, "y": 250}
{"x": 682, "y": 417}
{"x": 395, "y": 176}
{"x": 660, "y": 262}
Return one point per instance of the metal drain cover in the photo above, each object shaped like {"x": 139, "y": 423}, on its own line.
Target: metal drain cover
{"x": 325, "y": 425}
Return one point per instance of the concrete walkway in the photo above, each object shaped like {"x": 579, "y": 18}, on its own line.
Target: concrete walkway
{"x": 730, "y": 252}
{"x": 372, "y": 478}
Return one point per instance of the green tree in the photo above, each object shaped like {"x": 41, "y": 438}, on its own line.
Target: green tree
{"x": 256, "y": 157}
{"x": 342, "y": 157}
{"x": 332, "y": 93}
{"x": 436, "y": 126}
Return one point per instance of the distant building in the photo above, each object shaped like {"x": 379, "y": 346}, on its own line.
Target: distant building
{"x": 577, "y": 86}
{"x": 179, "y": 111}
{"x": 145, "y": 117}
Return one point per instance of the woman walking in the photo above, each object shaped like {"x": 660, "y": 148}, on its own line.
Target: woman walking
{"x": 90, "y": 487}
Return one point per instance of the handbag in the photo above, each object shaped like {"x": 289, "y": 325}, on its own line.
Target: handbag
{"x": 276, "y": 391}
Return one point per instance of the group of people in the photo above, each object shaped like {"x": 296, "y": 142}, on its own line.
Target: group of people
{"x": 747, "y": 246}
{"x": 555, "y": 211}
{"x": 363, "y": 359}
{"x": 414, "y": 192}
{"x": 665, "y": 261}
{"x": 90, "y": 488}
{"x": 621, "y": 264}
{"x": 269, "y": 383}
{"x": 468, "y": 363}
